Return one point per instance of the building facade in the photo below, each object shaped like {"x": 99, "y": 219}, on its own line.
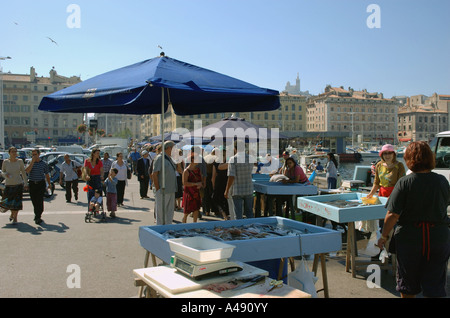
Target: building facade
{"x": 24, "y": 123}
{"x": 422, "y": 117}
{"x": 115, "y": 125}
{"x": 291, "y": 116}
{"x": 367, "y": 117}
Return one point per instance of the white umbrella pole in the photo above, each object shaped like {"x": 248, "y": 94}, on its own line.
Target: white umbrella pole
{"x": 163, "y": 154}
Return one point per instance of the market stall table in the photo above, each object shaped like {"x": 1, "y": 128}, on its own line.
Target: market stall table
{"x": 168, "y": 283}
{"x": 322, "y": 206}
{"x": 280, "y": 192}
{"x": 259, "y": 252}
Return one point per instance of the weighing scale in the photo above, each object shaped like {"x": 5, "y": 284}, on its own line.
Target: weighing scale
{"x": 199, "y": 270}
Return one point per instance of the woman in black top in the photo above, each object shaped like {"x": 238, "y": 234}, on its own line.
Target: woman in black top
{"x": 417, "y": 208}
{"x": 219, "y": 183}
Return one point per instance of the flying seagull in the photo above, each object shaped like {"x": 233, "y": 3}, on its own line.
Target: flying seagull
{"x": 52, "y": 40}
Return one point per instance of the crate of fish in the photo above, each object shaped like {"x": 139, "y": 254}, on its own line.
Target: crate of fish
{"x": 344, "y": 207}
{"x": 254, "y": 239}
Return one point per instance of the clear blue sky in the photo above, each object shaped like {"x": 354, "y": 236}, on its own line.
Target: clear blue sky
{"x": 262, "y": 42}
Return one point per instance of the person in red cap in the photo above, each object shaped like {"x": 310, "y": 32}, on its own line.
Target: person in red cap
{"x": 387, "y": 172}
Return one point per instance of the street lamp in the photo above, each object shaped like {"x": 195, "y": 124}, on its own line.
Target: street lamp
{"x": 352, "y": 113}
{"x": 2, "y": 119}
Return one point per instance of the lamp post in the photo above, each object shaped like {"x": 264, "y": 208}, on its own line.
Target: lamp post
{"x": 2, "y": 119}
{"x": 352, "y": 113}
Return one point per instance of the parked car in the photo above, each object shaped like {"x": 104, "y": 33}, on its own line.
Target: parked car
{"x": 3, "y": 156}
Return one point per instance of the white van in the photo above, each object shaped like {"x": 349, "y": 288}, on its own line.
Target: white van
{"x": 441, "y": 147}
{"x": 70, "y": 149}
{"x": 113, "y": 150}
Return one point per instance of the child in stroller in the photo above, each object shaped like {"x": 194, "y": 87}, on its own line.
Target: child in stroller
{"x": 95, "y": 206}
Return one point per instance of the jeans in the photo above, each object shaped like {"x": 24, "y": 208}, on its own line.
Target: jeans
{"x": 247, "y": 201}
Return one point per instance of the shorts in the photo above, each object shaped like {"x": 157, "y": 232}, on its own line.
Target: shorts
{"x": 415, "y": 273}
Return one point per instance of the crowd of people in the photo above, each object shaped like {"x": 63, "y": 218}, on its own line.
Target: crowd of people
{"x": 415, "y": 229}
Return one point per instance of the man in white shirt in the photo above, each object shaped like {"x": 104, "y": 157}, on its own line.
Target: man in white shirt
{"x": 69, "y": 171}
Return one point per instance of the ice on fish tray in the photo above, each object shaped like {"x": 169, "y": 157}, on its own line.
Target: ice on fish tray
{"x": 244, "y": 232}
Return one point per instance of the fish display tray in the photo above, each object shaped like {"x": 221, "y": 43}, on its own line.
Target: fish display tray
{"x": 279, "y": 188}
{"x": 323, "y": 206}
{"x": 201, "y": 249}
{"x": 313, "y": 240}
{"x": 260, "y": 177}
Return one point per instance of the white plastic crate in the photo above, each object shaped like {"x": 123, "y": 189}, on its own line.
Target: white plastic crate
{"x": 201, "y": 249}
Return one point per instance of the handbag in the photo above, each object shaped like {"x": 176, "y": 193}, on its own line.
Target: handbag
{"x": 78, "y": 171}
{"x": 84, "y": 174}
{"x": 128, "y": 173}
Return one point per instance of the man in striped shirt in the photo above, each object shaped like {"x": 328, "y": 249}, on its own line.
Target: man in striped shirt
{"x": 38, "y": 172}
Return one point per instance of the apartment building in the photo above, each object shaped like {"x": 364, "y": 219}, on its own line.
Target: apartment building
{"x": 365, "y": 116}
{"x": 24, "y": 123}
{"x": 291, "y": 116}
{"x": 422, "y": 117}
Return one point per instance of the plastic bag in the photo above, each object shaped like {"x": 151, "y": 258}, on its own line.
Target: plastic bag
{"x": 303, "y": 279}
{"x": 384, "y": 255}
{"x": 371, "y": 248}
{"x": 367, "y": 226}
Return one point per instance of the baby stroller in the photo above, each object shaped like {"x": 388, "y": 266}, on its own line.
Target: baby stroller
{"x": 95, "y": 208}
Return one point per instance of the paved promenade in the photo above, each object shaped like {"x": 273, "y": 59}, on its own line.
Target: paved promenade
{"x": 38, "y": 260}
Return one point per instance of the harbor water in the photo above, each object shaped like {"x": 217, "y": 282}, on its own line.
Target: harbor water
{"x": 346, "y": 170}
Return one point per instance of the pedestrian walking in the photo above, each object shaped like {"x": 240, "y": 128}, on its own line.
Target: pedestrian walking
{"x": 142, "y": 170}
{"x": 38, "y": 174}
{"x": 68, "y": 170}
{"x": 13, "y": 170}
{"x": 94, "y": 169}
{"x": 107, "y": 162}
{"x": 121, "y": 176}
{"x": 134, "y": 156}
{"x": 111, "y": 192}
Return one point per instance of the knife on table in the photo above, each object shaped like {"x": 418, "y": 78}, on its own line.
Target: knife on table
{"x": 253, "y": 281}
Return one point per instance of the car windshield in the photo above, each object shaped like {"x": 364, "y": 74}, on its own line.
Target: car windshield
{"x": 443, "y": 152}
